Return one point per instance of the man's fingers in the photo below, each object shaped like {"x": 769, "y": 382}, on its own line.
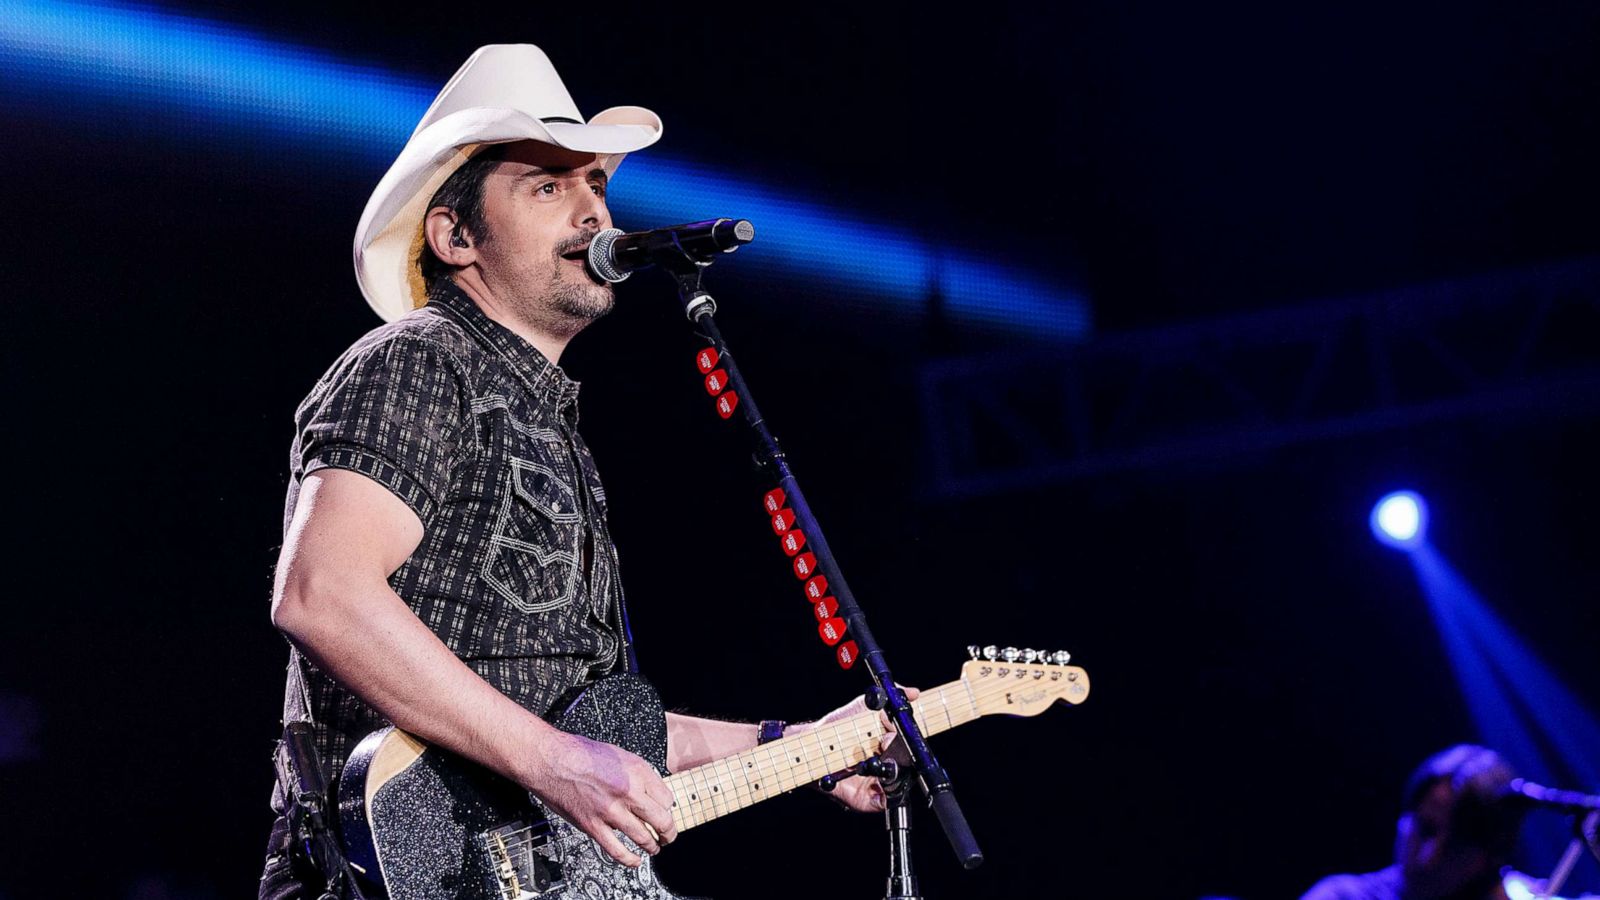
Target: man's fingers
{"x": 860, "y": 793}
{"x": 639, "y": 832}
{"x": 662, "y": 795}
{"x": 658, "y": 819}
{"x": 911, "y": 694}
{"x": 613, "y": 846}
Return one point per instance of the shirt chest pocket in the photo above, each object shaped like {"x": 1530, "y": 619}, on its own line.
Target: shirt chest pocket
{"x": 533, "y": 559}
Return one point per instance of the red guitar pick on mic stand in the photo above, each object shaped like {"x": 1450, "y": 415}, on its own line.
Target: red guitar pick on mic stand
{"x": 825, "y": 609}
{"x": 845, "y": 653}
{"x": 793, "y": 541}
{"x": 706, "y": 359}
{"x": 816, "y": 588}
{"x": 774, "y": 500}
{"x": 832, "y": 631}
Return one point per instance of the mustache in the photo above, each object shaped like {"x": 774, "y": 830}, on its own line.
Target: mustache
{"x": 575, "y": 244}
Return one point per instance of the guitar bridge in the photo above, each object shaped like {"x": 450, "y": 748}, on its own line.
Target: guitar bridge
{"x": 522, "y": 862}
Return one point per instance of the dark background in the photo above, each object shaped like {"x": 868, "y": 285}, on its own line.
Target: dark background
{"x": 1265, "y": 674}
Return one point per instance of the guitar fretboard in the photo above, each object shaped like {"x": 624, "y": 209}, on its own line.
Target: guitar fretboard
{"x": 735, "y": 782}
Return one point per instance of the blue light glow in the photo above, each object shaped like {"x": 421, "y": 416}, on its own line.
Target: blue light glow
{"x": 1519, "y": 705}
{"x": 210, "y": 73}
{"x": 139, "y": 57}
{"x": 1400, "y": 520}
{"x": 877, "y": 261}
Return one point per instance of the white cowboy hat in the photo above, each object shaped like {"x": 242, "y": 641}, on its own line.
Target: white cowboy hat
{"x": 505, "y": 92}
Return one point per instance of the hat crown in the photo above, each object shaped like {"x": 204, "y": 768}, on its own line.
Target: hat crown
{"x": 505, "y": 76}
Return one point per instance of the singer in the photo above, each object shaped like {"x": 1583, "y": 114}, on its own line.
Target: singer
{"x": 446, "y": 564}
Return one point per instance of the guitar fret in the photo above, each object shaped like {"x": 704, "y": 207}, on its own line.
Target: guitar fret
{"x": 730, "y": 784}
{"x": 746, "y": 768}
{"x": 715, "y": 782}
{"x": 761, "y": 768}
{"x": 972, "y": 700}
{"x": 702, "y": 786}
{"x": 738, "y": 788}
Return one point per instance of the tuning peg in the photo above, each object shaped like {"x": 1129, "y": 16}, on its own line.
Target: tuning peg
{"x": 1060, "y": 657}
{"x": 974, "y": 651}
{"x": 1028, "y": 656}
{"x": 1011, "y": 654}
{"x": 991, "y": 653}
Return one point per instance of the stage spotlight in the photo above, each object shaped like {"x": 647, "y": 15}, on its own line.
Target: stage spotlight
{"x": 1400, "y": 520}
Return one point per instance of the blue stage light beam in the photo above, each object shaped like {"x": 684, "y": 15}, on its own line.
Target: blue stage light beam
{"x": 1400, "y": 520}
{"x": 875, "y": 260}
{"x": 1561, "y": 717}
{"x": 1518, "y": 704}
{"x": 139, "y": 60}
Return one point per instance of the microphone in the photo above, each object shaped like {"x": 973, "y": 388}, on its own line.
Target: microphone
{"x": 614, "y": 255}
{"x": 1551, "y": 798}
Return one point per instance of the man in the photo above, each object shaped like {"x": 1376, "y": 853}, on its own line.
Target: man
{"x": 446, "y": 565}
{"x": 1457, "y": 827}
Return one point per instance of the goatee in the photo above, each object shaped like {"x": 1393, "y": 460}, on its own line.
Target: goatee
{"x": 581, "y": 301}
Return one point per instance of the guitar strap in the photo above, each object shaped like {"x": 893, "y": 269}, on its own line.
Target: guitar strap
{"x": 631, "y": 659}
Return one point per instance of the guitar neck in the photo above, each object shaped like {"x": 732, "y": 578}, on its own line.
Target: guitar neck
{"x": 735, "y": 782}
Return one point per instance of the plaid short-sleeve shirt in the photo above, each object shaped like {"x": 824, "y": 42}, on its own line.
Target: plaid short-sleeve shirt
{"x": 477, "y": 432}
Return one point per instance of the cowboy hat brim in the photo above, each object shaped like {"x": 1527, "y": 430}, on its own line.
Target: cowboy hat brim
{"x": 389, "y": 237}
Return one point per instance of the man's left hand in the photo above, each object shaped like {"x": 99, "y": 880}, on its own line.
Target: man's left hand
{"x": 859, "y": 792}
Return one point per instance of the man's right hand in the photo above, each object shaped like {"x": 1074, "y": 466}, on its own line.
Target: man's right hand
{"x": 603, "y": 789}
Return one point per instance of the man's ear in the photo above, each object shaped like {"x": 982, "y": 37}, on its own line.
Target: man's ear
{"x": 447, "y": 239}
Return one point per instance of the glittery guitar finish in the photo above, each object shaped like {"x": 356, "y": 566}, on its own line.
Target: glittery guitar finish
{"x": 419, "y": 823}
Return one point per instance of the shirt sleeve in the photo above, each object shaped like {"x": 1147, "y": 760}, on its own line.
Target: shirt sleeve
{"x": 396, "y": 411}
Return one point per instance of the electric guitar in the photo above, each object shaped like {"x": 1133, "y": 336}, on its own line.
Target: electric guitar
{"x": 419, "y": 823}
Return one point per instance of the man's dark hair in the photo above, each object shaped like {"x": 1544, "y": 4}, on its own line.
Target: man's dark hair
{"x": 1484, "y": 813}
{"x": 463, "y": 193}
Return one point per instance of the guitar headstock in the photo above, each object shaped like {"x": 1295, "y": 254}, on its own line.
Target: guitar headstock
{"x": 1022, "y": 682}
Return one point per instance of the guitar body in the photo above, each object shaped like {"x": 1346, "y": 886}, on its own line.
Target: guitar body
{"x": 420, "y": 823}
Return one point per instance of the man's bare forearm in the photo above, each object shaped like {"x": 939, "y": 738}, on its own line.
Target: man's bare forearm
{"x": 693, "y": 741}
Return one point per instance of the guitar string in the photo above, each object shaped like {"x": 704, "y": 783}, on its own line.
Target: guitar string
{"x": 851, "y": 748}
{"x": 986, "y": 692}
{"x": 768, "y": 767}
{"x": 780, "y": 775}
{"x": 771, "y": 768}
{"x": 700, "y": 815}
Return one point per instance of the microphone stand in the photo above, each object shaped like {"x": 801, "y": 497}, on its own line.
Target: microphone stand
{"x": 934, "y": 780}
{"x": 897, "y": 818}
{"x": 1587, "y": 828}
